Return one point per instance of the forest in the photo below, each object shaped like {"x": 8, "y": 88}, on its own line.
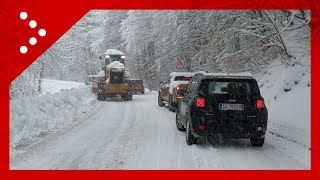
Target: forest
{"x": 209, "y": 40}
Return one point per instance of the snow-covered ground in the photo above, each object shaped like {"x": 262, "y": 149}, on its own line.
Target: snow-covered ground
{"x": 288, "y": 98}
{"x": 139, "y": 134}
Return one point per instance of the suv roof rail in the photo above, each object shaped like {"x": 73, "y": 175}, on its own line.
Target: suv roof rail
{"x": 181, "y": 73}
{"x": 200, "y": 73}
{"x": 242, "y": 74}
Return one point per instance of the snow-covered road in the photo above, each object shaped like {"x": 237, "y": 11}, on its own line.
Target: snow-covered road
{"x": 140, "y": 135}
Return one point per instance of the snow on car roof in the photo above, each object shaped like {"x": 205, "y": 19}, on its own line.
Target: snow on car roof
{"x": 242, "y": 74}
{"x": 182, "y": 74}
{"x": 114, "y": 52}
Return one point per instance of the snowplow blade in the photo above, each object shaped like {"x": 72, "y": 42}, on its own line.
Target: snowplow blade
{"x": 116, "y": 88}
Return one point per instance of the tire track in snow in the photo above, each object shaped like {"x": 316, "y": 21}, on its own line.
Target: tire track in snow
{"x": 196, "y": 157}
{"x": 158, "y": 144}
{"x": 179, "y": 160}
{"x": 286, "y": 156}
{"x": 174, "y": 141}
{"x": 147, "y": 128}
{"x": 288, "y": 139}
{"x": 159, "y": 150}
{"x": 123, "y": 145}
{"x": 207, "y": 157}
{"x": 149, "y": 152}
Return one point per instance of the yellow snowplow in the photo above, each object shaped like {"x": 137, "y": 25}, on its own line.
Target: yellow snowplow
{"x": 114, "y": 79}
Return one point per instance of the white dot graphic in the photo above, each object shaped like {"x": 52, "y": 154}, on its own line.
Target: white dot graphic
{"x": 23, "y": 15}
{"x": 33, "y": 41}
{"x": 42, "y": 32}
{"x": 33, "y": 24}
{"x": 23, "y": 49}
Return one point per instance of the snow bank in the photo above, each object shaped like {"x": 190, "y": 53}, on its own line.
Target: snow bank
{"x": 286, "y": 90}
{"x": 32, "y": 117}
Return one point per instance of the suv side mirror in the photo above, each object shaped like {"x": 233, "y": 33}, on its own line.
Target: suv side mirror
{"x": 181, "y": 92}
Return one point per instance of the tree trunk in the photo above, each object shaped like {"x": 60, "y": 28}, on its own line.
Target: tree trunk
{"x": 40, "y": 76}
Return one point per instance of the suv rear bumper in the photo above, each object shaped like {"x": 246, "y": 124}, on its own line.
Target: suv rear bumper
{"x": 231, "y": 131}
{"x": 232, "y": 128}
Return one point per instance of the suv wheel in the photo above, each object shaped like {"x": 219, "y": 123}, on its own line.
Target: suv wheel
{"x": 171, "y": 108}
{"x": 178, "y": 123}
{"x": 189, "y": 136}
{"x": 257, "y": 142}
{"x": 160, "y": 103}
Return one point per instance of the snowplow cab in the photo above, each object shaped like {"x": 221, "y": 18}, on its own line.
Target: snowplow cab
{"x": 114, "y": 79}
{"x": 112, "y": 56}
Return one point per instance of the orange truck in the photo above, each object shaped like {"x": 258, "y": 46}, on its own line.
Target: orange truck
{"x": 168, "y": 89}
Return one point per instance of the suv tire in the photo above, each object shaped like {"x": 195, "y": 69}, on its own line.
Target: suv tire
{"x": 171, "y": 108}
{"x": 160, "y": 103}
{"x": 178, "y": 123}
{"x": 189, "y": 136}
{"x": 257, "y": 142}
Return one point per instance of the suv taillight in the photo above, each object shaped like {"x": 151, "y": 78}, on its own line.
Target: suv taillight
{"x": 260, "y": 104}
{"x": 200, "y": 102}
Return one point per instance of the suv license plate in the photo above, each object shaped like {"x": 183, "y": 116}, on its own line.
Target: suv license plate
{"x": 234, "y": 107}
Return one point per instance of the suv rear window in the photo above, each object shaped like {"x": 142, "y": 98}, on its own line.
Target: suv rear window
{"x": 137, "y": 81}
{"x": 235, "y": 87}
{"x": 182, "y": 78}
